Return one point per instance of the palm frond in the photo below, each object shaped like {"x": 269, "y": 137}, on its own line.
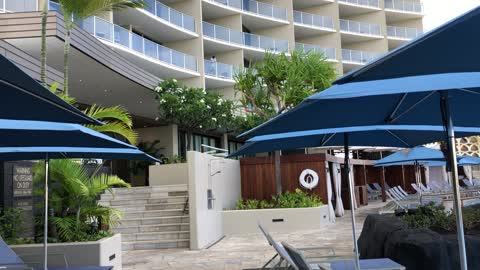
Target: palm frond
{"x": 117, "y": 128}
{"x": 103, "y": 113}
{"x": 66, "y": 227}
{"x": 54, "y": 89}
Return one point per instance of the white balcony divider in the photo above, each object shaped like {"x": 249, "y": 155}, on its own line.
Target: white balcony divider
{"x": 255, "y": 7}
{"x": 371, "y": 29}
{"x": 312, "y": 20}
{"x": 170, "y": 15}
{"x": 105, "y": 30}
{"x": 219, "y": 70}
{"x": 403, "y": 32}
{"x": 9, "y": 6}
{"x": 368, "y": 3}
{"x": 329, "y": 53}
{"x": 244, "y": 39}
{"x": 360, "y": 57}
{"x": 407, "y": 6}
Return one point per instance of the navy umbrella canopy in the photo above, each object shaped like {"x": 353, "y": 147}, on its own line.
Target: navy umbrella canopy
{"x": 23, "y": 98}
{"x": 452, "y": 47}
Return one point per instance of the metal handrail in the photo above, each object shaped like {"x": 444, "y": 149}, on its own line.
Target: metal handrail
{"x": 367, "y": 3}
{"x": 313, "y": 20}
{"x": 110, "y": 32}
{"x": 403, "y": 32}
{"x": 329, "y": 53}
{"x": 408, "y": 6}
{"x": 361, "y": 57}
{"x": 255, "y": 7}
{"x": 169, "y": 14}
{"x": 244, "y": 39}
{"x": 360, "y": 27}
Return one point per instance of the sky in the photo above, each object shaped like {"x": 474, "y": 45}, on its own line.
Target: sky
{"x": 438, "y": 12}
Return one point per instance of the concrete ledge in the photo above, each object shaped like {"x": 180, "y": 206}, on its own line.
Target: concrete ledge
{"x": 274, "y": 220}
{"x": 168, "y": 174}
{"x": 104, "y": 252}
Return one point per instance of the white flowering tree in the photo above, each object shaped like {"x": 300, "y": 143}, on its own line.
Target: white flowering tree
{"x": 193, "y": 108}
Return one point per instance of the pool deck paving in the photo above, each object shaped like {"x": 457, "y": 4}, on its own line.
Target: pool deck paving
{"x": 252, "y": 250}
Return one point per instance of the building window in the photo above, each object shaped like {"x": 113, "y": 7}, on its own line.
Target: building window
{"x": 197, "y": 141}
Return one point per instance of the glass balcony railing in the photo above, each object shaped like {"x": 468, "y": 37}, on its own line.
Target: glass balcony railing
{"x": 367, "y": 3}
{"x": 170, "y": 15}
{"x": 403, "y": 32}
{"x": 312, "y": 20}
{"x": 255, "y": 7}
{"x": 54, "y": 6}
{"x": 407, "y": 6}
{"x": 105, "y": 30}
{"x": 219, "y": 70}
{"x": 329, "y": 53}
{"x": 360, "y": 27}
{"x": 8, "y": 6}
{"x": 360, "y": 57}
{"x": 244, "y": 39}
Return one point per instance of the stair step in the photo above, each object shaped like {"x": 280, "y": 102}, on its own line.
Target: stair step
{"x": 141, "y": 201}
{"x": 152, "y": 236}
{"x": 158, "y": 244}
{"x": 153, "y": 228}
{"x": 153, "y": 213}
{"x": 153, "y": 221}
{"x": 151, "y": 189}
{"x": 148, "y": 207}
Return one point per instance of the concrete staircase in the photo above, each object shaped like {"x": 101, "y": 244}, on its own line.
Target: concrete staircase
{"x": 154, "y": 217}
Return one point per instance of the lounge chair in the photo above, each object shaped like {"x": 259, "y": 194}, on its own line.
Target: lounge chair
{"x": 372, "y": 194}
{"x": 10, "y": 260}
{"x": 424, "y": 188}
{"x": 377, "y": 187}
{"x": 387, "y": 186}
{"x": 284, "y": 257}
{"x": 341, "y": 264}
{"x": 416, "y": 188}
{"x": 476, "y": 182}
{"x": 468, "y": 184}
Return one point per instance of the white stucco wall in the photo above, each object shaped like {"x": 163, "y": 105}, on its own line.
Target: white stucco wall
{"x": 220, "y": 175}
{"x": 168, "y": 174}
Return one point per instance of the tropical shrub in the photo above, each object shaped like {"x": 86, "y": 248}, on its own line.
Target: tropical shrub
{"x": 436, "y": 218}
{"x": 75, "y": 213}
{"x": 297, "y": 199}
{"x": 10, "y": 223}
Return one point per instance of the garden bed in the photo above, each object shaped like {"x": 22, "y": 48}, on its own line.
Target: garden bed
{"x": 105, "y": 252}
{"x": 275, "y": 220}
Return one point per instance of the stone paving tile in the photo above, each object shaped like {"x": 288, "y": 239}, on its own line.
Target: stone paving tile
{"x": 249, "y": 251}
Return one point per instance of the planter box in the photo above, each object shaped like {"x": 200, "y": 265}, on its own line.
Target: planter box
{"x": 169, "y": 174}
{"x": 104, "y": 252}
{"x": 274, "y": 220}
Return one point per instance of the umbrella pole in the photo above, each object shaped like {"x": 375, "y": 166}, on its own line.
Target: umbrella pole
{"x": 453, "y": 171}
{"x": 352, "y": 198}
{"x": 45, "y": 226}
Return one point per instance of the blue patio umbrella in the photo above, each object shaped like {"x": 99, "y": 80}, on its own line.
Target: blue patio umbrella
{"x": 449, "y": 48}
{"x": 416, "y": 154}
{"x": 34, "y": 140}
{"x": 381, "y": 135}
{"x": 23, "y": 98}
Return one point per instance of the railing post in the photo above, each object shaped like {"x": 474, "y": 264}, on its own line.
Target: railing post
{"x": 94, "y": 26}
{"x": 184, "y": 61}
{"x": 171, "y": 56}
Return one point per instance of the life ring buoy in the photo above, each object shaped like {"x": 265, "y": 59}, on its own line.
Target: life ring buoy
{"x": 308, "y": 179}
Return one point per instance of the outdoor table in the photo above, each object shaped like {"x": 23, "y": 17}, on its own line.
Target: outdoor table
{"x": 368, "y": 264}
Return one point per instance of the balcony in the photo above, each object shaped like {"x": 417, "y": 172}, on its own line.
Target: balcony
{"x": 10, "y": 6}
{"x": 353, "y": 31}
{"x": 352, "y": 58}
{"x": 329, "y": 53}
{"x": 397, "y": 10}
{"x": 218, "y": 75}
{"x": 399, "y": 35}
{"x": 307, "y": 24}
{"x": 157, "y": 59}
{"x": 220, "y": 39}
{"x": 257, "y": 15}
{"x": 355, "y": 7}
{"x": 158, "y": 21}
{"x": 302, "y": 4}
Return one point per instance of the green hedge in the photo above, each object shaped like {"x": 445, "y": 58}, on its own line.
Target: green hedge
{"x": 297, "y": 199}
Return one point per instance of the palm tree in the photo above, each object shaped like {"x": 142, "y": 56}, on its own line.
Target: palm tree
{"x": 43, "y": 53}
{"x": 117, "y": 120}
{"x": 76, "y": 11}
{"x": 74, "y": 195}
